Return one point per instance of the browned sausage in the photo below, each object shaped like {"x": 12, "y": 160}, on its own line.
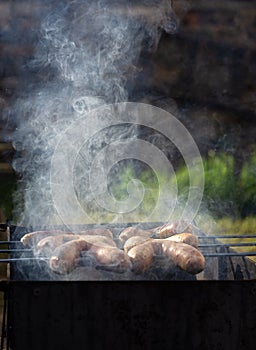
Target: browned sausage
{"x": 142, "y": 256}
{"x": 111, "y": 257}
{"x": 100, "y": 231}
{"x": 134, "y": 241}
{"x": 182, "y": 255}
{"x": 65, "y": 257}
{"x": 133, "y": 231}
{"x": 46, "y": 246}
{"x": 171, "y": 228}
{"x": 185, "y": 256}
{"x": 187, "y": 238}
{"x": 31, "y": 239}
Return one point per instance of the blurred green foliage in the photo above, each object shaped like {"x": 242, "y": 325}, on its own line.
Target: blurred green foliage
{"x": 220, "y": 189}
{"x": 247, "y": 186}
{"x": 238, "y": 226}
{"x": 228, "y": 192}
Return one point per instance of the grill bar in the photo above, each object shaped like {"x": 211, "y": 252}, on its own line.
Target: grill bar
{"x": 213, "y": 245}
{"x": 227, "y": 236}
{"x": 199, "y": 237}
{"x": 16, "y": 251}
{"x": 211, "y": 255}
{"x": 10, "y": 242}
{"x": 227, "y": 245}
{"x": 22, "y": 259}
{"x": 207, "y": 255}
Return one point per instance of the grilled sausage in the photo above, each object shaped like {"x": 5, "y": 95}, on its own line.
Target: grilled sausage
{"x": 65, "y": 257}
{"x": 187, "y": 238}
{"x": 111, "y": 257}
{"x": 171, "y": 228}
{"x": 134, "y": 241}
{"x": 31, "y": 239}
{"x": 46, "y": 246}
{"x": 100, "y": 231}
{"x": 133, "y": 231}
{"x": 182, "y": 255}
{"x": 141, "y": 257}
{"x": 185, "y": 256}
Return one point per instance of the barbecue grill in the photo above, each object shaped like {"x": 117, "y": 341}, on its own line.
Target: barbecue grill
{"x": 133, "y": 310}
{"x": 224, "y": 262}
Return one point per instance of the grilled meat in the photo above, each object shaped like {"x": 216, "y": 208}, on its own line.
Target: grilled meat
{"x": 186, "y": 257}
{"x": 65, "y": 257}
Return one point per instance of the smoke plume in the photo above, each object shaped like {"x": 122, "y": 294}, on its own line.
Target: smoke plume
{"x": 87, "y": 55}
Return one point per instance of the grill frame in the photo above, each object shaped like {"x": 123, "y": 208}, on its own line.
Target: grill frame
{"x": 133, "y": 314}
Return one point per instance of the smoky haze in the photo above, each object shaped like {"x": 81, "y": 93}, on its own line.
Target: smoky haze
{"x": 87, "y": 54}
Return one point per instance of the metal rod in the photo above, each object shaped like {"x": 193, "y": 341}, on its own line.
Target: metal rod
{"x": 22, "y": 259}
{"x": 227, "y": 236}
{"x": 226, "y": 245}
{"x": 10, "y": 242}
{"x": 199, "y": 237}
{"x": 209, "y": 255}
{"x": 16, "y": 250}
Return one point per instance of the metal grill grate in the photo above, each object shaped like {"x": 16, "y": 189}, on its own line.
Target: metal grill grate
{"x": 224, "y": 260}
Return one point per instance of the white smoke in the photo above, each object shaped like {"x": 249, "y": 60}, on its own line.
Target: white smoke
{"x": 87, "y": 55}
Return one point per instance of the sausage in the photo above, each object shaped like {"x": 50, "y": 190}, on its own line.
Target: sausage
{"x": 141, "y": 257}
{"x": 133, "y": 231}
{"x": 185, "y": 256}
{"x": 46, "y": 246}
{"x": 171, "y": 228}
{"x": 187, "y": 238}
{"x": 134, "y": 241}
{"x": 111, "y": 257}
{"x": 182, "y": 255}
{"x": 31, "y": 239}
{"x": 65, "y": 257}
{"x": 100, "y": 231}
